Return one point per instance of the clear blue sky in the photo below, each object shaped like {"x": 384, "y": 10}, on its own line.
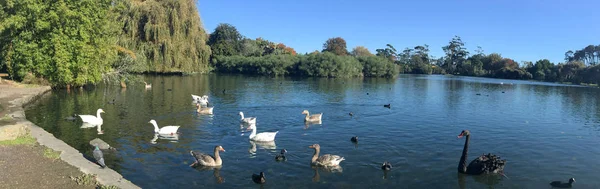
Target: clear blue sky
{"x": 524, "y": 30}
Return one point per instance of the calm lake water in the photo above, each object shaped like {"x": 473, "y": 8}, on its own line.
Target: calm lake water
{"x": 545, "y": 131}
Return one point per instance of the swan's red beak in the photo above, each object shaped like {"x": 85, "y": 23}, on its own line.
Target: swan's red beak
{"x": 460, "y": 136}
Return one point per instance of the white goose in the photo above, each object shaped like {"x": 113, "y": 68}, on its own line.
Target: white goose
{"x": 94, "y": 120}
{"x": 166, "y": 130}
{"x": 248, "y": 120}
{"x": 261, "y": 137}
{"x": 200, "y": 99}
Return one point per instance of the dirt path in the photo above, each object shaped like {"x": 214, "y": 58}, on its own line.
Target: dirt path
{"x": 26, "y": 164}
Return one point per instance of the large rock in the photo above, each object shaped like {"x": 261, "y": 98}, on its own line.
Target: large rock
{"x": 101, "y": 144}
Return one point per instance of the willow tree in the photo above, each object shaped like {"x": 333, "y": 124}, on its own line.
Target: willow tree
{"x": 163, "y": 36}
{"x": 67, "y": 42}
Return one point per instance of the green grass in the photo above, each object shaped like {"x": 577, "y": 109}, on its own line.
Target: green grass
{"x": 26, "y": 139}
{"x": 85, "y": 179}
{"x": 6, "y": 117}
{"x": 90, "y": 180}
{"x": 107, "y": 187}
{"x": 50, "y": 153}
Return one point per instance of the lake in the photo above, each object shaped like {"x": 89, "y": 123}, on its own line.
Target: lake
{"x": 545, "y": 131}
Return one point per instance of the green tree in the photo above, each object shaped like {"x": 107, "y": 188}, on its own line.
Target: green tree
{"x": 67, "y": 42}
{"x": 161, "y": 36}
{"x": 360, "y": 51}
{"x": 336, "y": 46}
{"x": 456, "y": 53}
{"x": 225, "y": 40}
{"x": 389, "y": 52}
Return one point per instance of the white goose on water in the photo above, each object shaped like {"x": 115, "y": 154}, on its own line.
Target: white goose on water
{"x": 166, "y": 130}
{"x": 200, "y": 99}
{"x": 261, "y": 137}
{"x": 94, "y": 120}
{"x": 248, "y": 120}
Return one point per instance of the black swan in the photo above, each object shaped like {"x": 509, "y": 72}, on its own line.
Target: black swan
{"x": 483, "y": 164}
{"x": 386, "y": 166}
{"x": 354, "y": 139}
{"x": 259, "y": 179}
{"x": 281, "y": 157}
{"x": 559, "y": 184}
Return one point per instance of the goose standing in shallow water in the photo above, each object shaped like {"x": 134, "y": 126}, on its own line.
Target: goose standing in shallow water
{"x": 312, "y": 118}
{"x": 326, "y": 160}
{"x": 248, "y": 120}
{"x": 262, "y": 137}
{"x": 166, "y": 130}
{"x": 94, "y": 120}
{"x": 559, "y": 184}
{"x": 208, "y": 160}
{"x": 484, "y": 164}
{"x": 281, "y": 156}
{"x": 259, "y": 179}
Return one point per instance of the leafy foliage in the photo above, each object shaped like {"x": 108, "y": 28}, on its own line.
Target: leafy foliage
{"x": 336, "y": 45}
{"x": 66, "y": 41}
{"x": 376, "y": 66}
{"x": 225, "y": 40}
{"x": 361, "y": 51}
{"x": 273, "y": 65}
{"x": 329, "y": 65}
{"x": 161, "y": 36}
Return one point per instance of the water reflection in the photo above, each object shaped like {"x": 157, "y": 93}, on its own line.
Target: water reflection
{"x": 168, "y": 137}
{"x": 263, "y": 145}
{"x": 489, "y": 180}
{"x": 86, "y": 125}
{"x": 307, "y": 124}
{"x": 216, "y": 172}
{"x": 99, "y": 129}
{"x": 329, "y": 169}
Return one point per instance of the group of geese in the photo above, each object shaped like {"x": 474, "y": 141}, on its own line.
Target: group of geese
{"x": 484, "y": 164}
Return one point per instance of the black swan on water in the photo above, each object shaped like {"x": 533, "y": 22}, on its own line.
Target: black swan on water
{"x": 484, "y": 164}
{"x": 559, "y": 184}
{"x": 259, "y": 179}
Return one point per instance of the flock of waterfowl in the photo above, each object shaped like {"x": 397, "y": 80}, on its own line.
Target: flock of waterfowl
{"x": 484, "y": 164}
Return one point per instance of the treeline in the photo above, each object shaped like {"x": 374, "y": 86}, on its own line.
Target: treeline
{"x": 580, "y": 66}
{"x": 234, "y": 53}
{"x": 77, "y": 42}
